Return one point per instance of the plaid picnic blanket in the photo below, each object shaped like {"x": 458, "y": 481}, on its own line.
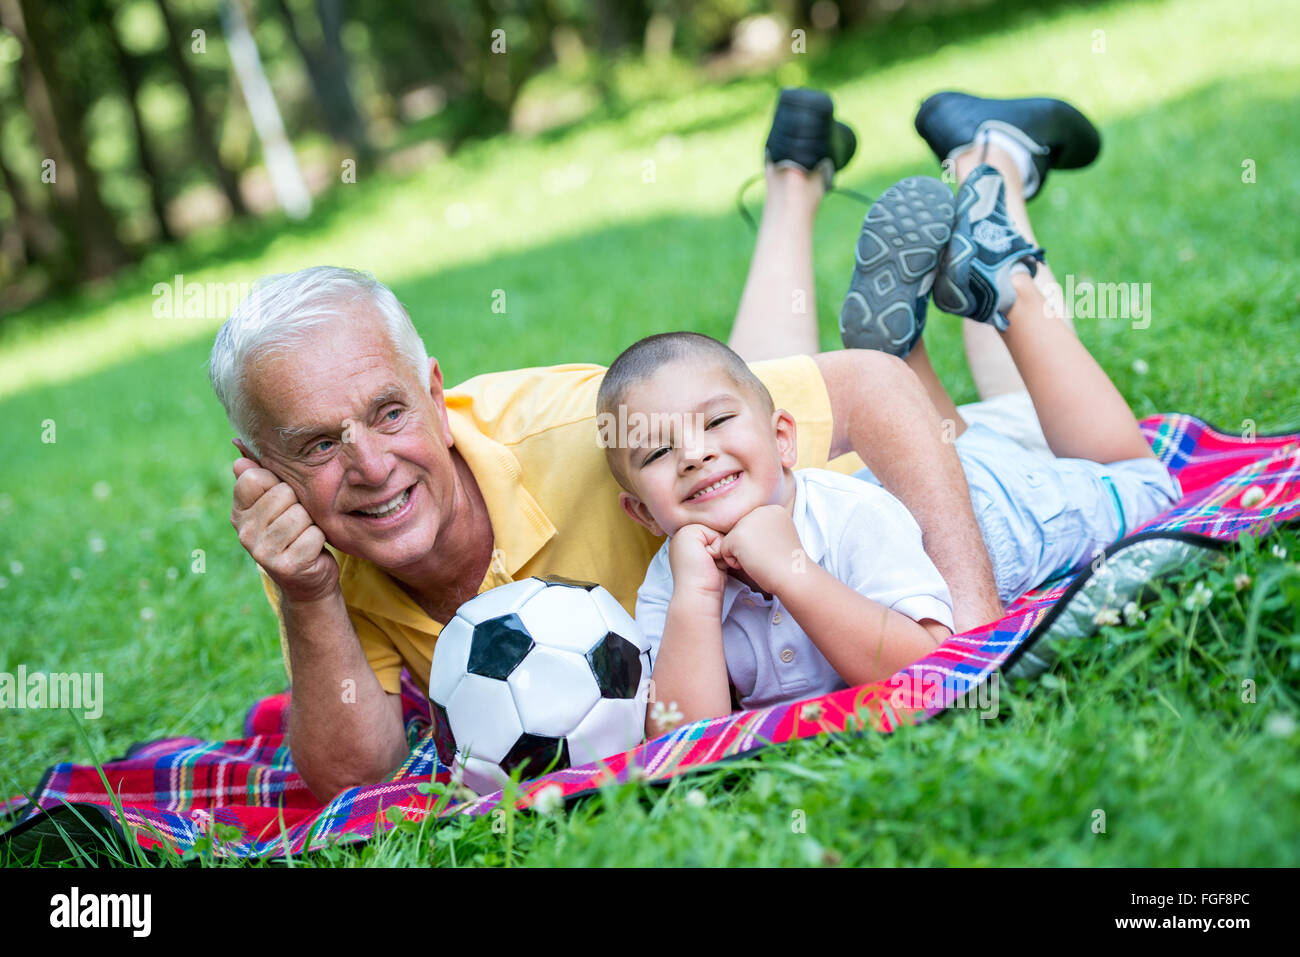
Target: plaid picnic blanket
{"x": 173, "y": 790}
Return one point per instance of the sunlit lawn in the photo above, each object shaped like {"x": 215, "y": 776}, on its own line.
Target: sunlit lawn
{"x": 102, "y": 529}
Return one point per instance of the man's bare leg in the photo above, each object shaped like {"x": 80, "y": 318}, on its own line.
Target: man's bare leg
{"x": 1081, "y": 412}
{"x": 990, "y": 363}
{"x": 778, "y": 310}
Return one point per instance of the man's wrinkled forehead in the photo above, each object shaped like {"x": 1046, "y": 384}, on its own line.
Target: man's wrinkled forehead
{"x": 333, "y": 375}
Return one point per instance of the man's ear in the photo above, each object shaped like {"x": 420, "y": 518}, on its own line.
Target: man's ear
{"x": 439, "y": 399}
{"x": 786, "y": 439}
{"x": 637, "y": 511}
{"x": 243, "y": 450}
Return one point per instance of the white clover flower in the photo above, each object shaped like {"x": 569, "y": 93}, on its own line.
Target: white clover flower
{"x": 811, "y": 712}
{"x": 1280, "y": 724}
{"x": 1241, "y": 581}
{"x": 1279, "y": 551}
{"x": 102, "y": 490}
{"x": 1107, "y": 616}
{"x": 76, "y": 573}
{"x": 15, "y": 568}
{"x": 549, "y": 799}
{"x": 1252, "y": 496}
{"x": 1199, "y": 597}
{"x": 96, "y": 544}
{"x": 147, "y": 615}
{"x": 1133, "y": 614}
{"x": 172, "y": 574}
{"x": 666, "y": 716}
{"x": 695, "y": 798}
{"x": 1140, "y": 366}
{"x": 462, "y": 793}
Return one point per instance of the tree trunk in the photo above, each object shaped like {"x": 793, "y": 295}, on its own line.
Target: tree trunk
{"x": 128, "y": 67}
{"x": 204, "y": 134}
{"x": 40, "y": 238}
{"x": 91, "y": 227}
{"x": 327, "y": 71}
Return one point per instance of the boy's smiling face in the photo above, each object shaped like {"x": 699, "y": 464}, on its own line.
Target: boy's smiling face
{"x": 701, "y": 449}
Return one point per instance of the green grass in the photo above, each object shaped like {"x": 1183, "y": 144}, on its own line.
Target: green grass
{"x": 1146, "y": 724}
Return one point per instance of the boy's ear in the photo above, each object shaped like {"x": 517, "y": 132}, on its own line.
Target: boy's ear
{"x": 786, "y": 439}
{"x": 637, "y": 511}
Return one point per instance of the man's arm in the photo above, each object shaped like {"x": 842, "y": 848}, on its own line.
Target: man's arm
{"x": 341, "y": 735}
{"x": 345, "y": 730}
{"x": 880, "y": 411}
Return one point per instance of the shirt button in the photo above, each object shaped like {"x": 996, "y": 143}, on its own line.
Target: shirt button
{"x": 776, "y": 619}
{"x": 787, "y": 655}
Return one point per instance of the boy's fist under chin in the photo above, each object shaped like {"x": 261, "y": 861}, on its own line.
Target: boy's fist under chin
{"x": 764, "y": 545}
{"x": 695, "y": 556}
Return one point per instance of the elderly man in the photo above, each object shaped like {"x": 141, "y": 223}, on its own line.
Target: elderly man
{"x": 376, "y": 503}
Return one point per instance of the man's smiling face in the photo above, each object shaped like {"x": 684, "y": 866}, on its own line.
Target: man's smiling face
{"x": 712, "y": 454}
{"x": 360, "y": 440}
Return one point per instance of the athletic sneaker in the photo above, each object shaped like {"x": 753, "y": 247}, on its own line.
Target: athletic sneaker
{"x": 1055, "y": 134}
{"x": 897, "y": 257}
{"x": 974, "y": 276}
{"x": 805, "y": 134}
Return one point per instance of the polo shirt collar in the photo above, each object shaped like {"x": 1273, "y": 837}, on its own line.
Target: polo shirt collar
{"x": 519, "y": 526}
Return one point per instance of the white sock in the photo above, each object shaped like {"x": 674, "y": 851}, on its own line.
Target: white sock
{"x": 1016, "y": 144}
{"x": 1007, "y": 296}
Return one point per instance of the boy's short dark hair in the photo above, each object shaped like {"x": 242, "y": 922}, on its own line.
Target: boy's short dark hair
{"x": 644, "y": 358}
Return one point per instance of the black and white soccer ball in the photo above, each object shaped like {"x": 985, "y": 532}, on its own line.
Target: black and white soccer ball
{"x": 544, "y": 673}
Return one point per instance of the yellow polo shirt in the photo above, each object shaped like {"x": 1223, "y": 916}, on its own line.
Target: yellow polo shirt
{"x": 530, "y": 438}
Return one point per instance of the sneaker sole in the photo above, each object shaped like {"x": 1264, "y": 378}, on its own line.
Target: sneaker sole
{"x": 897, "y": 257}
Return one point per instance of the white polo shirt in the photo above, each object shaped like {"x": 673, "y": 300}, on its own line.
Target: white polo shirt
{"x": 860, "y": 534}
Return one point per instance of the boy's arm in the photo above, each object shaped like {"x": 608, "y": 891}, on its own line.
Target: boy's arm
{"x": 691, "y": 671}
{"x": 863, "y": 640}
{"x": 878, "y": 553}
{"x": 681, "y": 615}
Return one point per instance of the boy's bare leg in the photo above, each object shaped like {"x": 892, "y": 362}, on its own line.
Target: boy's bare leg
{"x": 778, "y": 311}
{"x": 991, "y": 365}
{"x": 1081, "y": 412}
{"x": 918, "y": 360}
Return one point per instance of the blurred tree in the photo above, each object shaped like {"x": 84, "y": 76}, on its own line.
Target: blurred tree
{"x": 479, "y": 52}
{"x": 205, "y": 137}
{"x": 56, "y": 110}
{"x": 131, "y": 72}
{"x": 327, "y": 68}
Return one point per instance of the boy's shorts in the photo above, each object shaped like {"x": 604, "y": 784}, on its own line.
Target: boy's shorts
{"x": 1043, "y": 517}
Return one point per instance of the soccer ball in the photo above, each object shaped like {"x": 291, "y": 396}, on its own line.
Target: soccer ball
{"x": 540, "y": 672}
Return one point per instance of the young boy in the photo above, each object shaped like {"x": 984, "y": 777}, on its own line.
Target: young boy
{"x": 789, "y": 585}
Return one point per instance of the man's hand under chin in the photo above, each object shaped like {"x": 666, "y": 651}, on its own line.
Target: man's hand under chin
{"x": 276, "y": 530}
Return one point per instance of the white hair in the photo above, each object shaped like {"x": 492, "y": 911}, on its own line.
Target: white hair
{"x": 275, "y": 316}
